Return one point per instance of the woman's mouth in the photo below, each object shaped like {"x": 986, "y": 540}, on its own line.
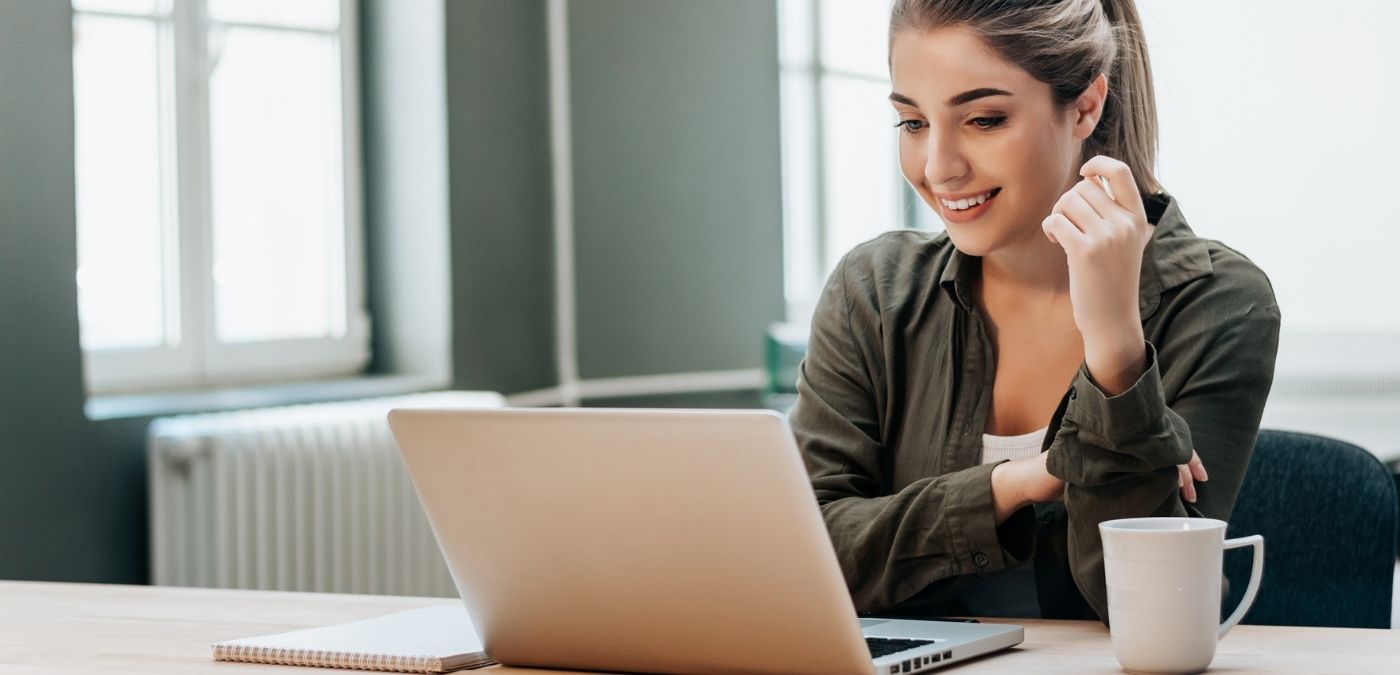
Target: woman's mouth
{"x": 970, "y": 209}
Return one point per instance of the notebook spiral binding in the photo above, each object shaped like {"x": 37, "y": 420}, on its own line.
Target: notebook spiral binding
{"x": 327, "y": 659}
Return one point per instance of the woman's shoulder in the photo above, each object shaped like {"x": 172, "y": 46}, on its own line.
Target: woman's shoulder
{"x": 1235, "y": 285}
{"x": 1227, "y": 301}
{"x": 894, "y": 262}
{"x": 879, "y": 281}
{"x": 1198, "y": 272}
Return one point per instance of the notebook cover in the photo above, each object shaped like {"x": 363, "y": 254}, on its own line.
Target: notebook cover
{"x": 429, "y": 640}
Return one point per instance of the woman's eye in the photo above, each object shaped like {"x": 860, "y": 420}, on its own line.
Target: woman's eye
{"x": 911, "y": 126}
{"x": 988, "y": 122}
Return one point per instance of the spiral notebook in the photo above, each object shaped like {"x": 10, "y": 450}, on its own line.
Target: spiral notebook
{"x": 429, "y": 640}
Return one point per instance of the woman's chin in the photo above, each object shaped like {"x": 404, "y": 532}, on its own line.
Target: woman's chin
{"x": 969, "y": 240}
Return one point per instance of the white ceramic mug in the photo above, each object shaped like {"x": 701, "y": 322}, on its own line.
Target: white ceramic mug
{"x": 1163, "y": 577}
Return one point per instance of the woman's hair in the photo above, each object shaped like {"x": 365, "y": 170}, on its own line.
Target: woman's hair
{"x": 1066, "y": 44}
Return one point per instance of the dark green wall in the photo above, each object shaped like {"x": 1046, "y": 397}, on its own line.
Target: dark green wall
{"x": 678, "y": 192}
{"x": 71, "y": 506}
{"x": 676, "y": 182}
{"x": 501, "y": 196}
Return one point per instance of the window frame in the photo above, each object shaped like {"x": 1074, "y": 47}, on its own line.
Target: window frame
{"x": 192, "y": 356}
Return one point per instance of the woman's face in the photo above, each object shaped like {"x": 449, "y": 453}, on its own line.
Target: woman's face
{"x": 956, "y": 143}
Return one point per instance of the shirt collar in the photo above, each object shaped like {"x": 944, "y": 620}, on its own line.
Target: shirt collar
{"x": 1174, "y": 256}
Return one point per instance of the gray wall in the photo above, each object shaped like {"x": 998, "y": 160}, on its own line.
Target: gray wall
{"x": 71, "y": 507}
{"x": 677, "y": 184}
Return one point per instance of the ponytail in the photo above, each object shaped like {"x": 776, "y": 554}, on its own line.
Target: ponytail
{"x": 1128, "y": 129}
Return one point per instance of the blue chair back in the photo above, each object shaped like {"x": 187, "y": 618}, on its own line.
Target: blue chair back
{"x": 1328, "y": 512}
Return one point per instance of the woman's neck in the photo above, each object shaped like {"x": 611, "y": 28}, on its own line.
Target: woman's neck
{"x": 1032, "y": 268}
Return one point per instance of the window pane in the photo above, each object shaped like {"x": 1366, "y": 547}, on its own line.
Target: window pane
{"x": 802, "y": 278}
{"x": 855, "y": 36}
{"x": 121, "y": 276}
{"x": 1289, "y": 158}
{"x": 862, "y": 169}
{"x": 123, "y": 6}
{"x": 302, "y": 13}
{"x": 276, "y": 173}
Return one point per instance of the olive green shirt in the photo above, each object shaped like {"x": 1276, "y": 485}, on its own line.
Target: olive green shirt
{"x": 892, "y": 403}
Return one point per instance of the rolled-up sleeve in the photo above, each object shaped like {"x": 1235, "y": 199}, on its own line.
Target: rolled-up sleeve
{"x": 1103, "y": 437}
{"x": 891, "y": 545}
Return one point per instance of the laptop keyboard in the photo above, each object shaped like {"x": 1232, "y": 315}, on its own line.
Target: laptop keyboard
{"x": 886, "y": 646}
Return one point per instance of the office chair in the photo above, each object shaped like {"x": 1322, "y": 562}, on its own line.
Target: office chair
{"x": 1328, "y": 512}
{"x": 1394, "y": 466}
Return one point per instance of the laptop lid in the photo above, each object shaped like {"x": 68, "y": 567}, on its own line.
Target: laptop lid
{"x": 634, "y": 540}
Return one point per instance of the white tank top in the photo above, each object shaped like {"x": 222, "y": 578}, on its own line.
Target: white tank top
{"x": 997, "y": 448}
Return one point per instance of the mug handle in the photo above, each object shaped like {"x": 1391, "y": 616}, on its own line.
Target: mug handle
{"x": 1255, "y": 575}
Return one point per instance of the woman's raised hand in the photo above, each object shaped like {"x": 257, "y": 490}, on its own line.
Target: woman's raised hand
{"x": 1103, "y": 230}
{"x": 1102, "y": 226}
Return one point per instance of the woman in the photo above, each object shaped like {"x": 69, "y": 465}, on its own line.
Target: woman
{"x": 974, "y": 403}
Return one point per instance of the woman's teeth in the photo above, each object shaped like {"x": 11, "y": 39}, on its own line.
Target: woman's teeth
{"x": 964, "y": 204}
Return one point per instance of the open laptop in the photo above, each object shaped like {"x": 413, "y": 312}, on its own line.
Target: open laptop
{"x": 682, "y": 541}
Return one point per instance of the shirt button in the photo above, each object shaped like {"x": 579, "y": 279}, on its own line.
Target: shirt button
{"x": 1072, "y": 393}
{"x": 981, "y": 559}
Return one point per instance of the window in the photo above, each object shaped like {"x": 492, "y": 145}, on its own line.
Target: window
{"x": 841, "y": 179}
{"x": 219, "y": 224}
{"x": 1271, "y": 149}
{"x": 1274, "y": 150}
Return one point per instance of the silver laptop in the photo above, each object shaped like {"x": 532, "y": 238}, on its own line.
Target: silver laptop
{"x": 684, "y": 541}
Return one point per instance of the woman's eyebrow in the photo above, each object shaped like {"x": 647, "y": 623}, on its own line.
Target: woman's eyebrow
{"x": 901, "y": 98}
{"x": 965, "y": 97}
{"x": 973, "y": 95}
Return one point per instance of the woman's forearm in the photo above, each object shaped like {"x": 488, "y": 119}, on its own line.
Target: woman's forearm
{"x": 1006, "y": 493}
{"x": 1118, "y": 359}
{"x": 1020, "y": 483}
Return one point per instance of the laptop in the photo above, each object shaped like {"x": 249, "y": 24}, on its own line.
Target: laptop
{"x": 662, "y": 541}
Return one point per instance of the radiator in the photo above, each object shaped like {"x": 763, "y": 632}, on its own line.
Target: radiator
{"x": 297, "y": 498}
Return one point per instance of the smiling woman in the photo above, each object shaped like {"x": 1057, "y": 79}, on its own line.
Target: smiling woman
{"x": 974, "y": 402}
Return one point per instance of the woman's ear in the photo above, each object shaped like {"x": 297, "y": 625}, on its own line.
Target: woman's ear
{"x": 1088, "y": 108}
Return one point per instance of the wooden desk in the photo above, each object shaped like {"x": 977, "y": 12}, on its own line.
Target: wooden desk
{"x": 50, "y": 628}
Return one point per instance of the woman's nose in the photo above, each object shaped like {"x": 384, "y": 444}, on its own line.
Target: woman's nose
{"x": 943, "y": 163}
